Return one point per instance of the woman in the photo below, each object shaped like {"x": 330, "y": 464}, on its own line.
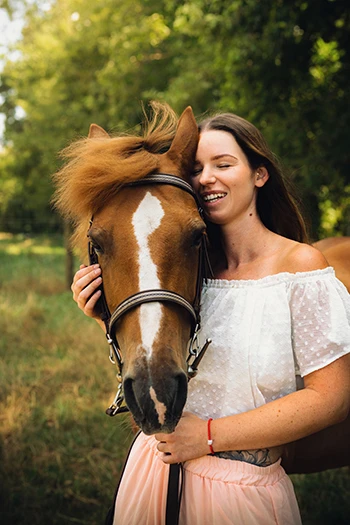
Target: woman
{"x": 274, "y": 310}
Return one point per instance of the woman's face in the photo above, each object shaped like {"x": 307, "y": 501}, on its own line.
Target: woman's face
{"x": 222, "y": 178}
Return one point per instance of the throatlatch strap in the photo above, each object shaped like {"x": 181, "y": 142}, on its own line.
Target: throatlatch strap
{"x": 174, "y": 494}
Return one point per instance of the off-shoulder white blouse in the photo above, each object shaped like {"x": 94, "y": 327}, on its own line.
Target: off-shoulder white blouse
{"x": 264, "y": 333}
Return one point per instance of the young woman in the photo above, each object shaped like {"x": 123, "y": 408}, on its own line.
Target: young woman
{"x": 274, "y": 311}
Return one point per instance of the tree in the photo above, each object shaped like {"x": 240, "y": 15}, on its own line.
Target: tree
{"x": 79, "y": 63}
{"x": 283, "y": 64}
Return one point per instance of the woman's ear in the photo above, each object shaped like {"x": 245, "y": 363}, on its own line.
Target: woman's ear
{"x": 261, "y": 176}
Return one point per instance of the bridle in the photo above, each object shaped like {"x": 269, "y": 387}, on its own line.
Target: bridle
{"x": 195, "y": 353}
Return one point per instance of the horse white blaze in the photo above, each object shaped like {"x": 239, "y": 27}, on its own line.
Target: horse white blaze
{"x": 160, "y": 407}
{"x": 146, "y": 219}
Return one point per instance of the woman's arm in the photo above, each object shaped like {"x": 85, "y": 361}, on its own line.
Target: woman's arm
{"x": 324, "y": 401}
{"x": 85, "y": 290}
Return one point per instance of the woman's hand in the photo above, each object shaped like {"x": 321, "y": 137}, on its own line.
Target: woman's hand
{"x": 85, "y": 289}
{"x": 188, "y": 441}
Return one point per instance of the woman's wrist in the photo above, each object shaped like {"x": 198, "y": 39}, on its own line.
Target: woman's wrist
{"x": 210, "y": 438}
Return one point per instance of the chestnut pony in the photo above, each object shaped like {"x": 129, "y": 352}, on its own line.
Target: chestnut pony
{"x": 146, "y": 237}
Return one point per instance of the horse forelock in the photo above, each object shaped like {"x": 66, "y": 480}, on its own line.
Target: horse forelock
{"x": 96, "y": 168}
{"x": 95, "y": 171}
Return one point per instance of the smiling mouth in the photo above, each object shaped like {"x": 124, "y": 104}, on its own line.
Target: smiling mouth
{"x": 213, "y": 197}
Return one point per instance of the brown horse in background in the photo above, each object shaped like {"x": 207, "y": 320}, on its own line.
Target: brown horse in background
{"x": 337, "y": 252}
{"x": 328, "y": 448}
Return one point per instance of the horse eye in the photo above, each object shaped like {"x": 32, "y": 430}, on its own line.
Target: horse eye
{"x": 197, "y": 236}
{"x": 95, "y": 245}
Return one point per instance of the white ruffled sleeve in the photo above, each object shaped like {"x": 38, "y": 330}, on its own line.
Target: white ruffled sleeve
{"x": 320, "y": 310}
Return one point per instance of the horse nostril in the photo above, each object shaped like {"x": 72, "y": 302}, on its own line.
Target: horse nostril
{"x": 131, "y": 399}
{"x": 127, "y": 385}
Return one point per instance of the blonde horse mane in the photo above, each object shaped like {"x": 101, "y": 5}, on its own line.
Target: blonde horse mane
{"x": 96, "y": 167}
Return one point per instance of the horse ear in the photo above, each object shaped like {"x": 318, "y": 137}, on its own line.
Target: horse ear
{"x": 184, "y": 146}
{"x": 96, "y": 132}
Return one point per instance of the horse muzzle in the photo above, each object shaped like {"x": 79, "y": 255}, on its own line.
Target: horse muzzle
{"x": 156, "y": 400}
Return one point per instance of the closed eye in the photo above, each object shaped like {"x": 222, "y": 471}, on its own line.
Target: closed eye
{"x": 196, "y": 171}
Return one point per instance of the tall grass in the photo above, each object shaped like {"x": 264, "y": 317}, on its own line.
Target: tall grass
{"x": 60, "y": 455}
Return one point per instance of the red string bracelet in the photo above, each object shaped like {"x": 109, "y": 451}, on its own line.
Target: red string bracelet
{"x": 210, "y": 441}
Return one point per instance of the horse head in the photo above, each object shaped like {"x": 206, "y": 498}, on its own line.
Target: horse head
{"x": 146, "y": 237}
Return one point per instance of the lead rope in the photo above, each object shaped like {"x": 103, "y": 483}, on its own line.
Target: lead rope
{"x": 173, "y": 501}
{"x": 176, "y": 470}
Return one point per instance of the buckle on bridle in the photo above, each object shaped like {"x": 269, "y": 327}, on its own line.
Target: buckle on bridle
{"x": 197, "y": 353}
{"x": 114, "y": 352}
{"x": 116, "y": 406}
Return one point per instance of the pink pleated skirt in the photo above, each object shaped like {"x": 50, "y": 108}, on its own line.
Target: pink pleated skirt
{"x": 216, "y": 491}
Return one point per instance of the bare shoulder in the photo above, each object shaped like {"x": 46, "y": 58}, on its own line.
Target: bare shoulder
{"x": 300, "y": 257}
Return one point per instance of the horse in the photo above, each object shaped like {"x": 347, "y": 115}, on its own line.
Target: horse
{"x": 337, "y": 252}
{"x": 146, "y": 233}
{"x": 328, "y": 448}
{"x": 134, "y": 202}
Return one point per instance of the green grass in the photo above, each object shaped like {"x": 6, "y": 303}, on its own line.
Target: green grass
{"x": 324, "y": 497}
{"x": 60, "y": 455}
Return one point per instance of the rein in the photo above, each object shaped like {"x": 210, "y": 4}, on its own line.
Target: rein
{"x": 195, "y": 353}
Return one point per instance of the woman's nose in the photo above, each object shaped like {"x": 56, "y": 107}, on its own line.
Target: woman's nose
{"x": 207, "y": 176}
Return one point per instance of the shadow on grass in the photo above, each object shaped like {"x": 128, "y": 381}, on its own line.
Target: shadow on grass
{"x": 67, "y": 475}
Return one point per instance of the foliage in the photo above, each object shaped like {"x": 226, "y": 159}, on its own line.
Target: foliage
{"x": 79, "y": 63}
{"x": 283, "y": 64}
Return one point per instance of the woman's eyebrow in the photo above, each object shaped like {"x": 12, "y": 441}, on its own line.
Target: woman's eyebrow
{"x": 216, "y": 157}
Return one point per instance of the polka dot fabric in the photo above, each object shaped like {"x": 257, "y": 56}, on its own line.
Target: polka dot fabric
{"x": 265, "y": 332}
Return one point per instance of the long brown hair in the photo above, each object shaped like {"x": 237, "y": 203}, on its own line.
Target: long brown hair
{"x": 276, "y": 204}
